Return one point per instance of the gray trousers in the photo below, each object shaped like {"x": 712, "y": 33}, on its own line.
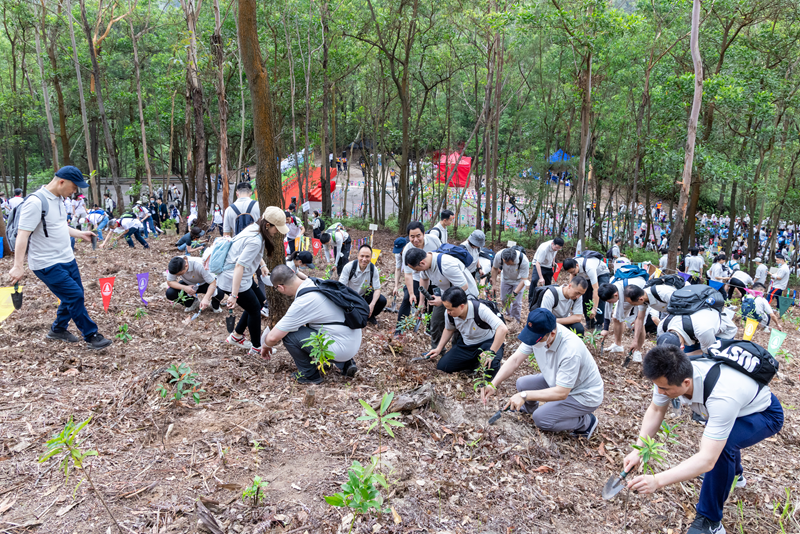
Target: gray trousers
{"x": 437, "y": 325}
{"x": 507, "y": 288}
{"x": 554, "y": 416}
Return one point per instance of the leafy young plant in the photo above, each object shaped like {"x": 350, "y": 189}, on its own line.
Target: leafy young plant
{"x": 181, "y": 298}
{"x": 380, "y": 418}
{"x": 140, "y": 312}
{"x": 668, "y": 432}
{"x": 785, "y": 354}
{"x": 784, "y": 511}
{"x": 67, "y": 445}
{"x": 321, "y": 354}
{"x": 123, "y": 334}
{"x": 407, "y": 323}
{"x": 361, "y": 493}
{"x": 185, "y": 381}
{"x": 255, "y": 491}
{"x": 651, "y": 452}
{"x": 483, "y": 378}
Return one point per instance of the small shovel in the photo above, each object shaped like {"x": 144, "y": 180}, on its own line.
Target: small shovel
{"x": 94, "y": 242}
{"x": 196, "y": 315}
{"x": 614, "y": 486}
{"x": 16, "y": 297}
{"x": 627, "y": 361}
{"x": 393, "y": 309}
{"x": 424, "y": 357}
{"x": 230, "y": 321}
{"x": 498, "y": 414}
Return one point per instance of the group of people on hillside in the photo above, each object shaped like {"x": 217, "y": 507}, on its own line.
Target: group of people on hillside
{"x": 690, "y": 321}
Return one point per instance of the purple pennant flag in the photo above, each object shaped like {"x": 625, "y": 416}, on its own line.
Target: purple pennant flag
{"x": 685, "y": 276}
{"x": 142, "y": 279}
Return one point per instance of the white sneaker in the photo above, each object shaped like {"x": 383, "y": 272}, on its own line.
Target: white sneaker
{"x": 614, "y": 348}
{"x": 241, "y": 343}
{"x": 265, "y": 311}
{"x": 193, "y": 307}
{"x": 637, "y": 356}
{"x": 218, "y": 310}
{"x": 766, "y": 330}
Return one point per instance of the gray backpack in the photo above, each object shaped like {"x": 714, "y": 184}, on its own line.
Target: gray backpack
{"x": 12, "y": 226}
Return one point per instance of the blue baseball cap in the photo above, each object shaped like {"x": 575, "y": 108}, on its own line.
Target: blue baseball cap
{"x": 399, "y": 245}
{"x": 540, "y": 323}
{"x": 669, "y": 338}
{"x": 73, "y": 174}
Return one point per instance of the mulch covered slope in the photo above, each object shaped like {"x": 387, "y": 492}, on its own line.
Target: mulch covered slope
{"x": 449, "y": 471}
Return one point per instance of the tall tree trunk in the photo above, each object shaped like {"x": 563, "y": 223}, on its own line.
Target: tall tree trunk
{"x": 325, "y": 175}
{"x": 298, "y": 176}
{"x": 45, "y": 95}
{"x": 62, "y": 114}
{"x": 136, "y": 65}
{"x": 586, "y": 136}
{"x": 219, "y": 59}
{"x": 168, "y": 177}
{"x": 268, "y": 178}
{"x": 677, "y": 230}
{"x": 191, "y": 10}
{"x": 95, "y": 190}
{"x": 110, "y": 149}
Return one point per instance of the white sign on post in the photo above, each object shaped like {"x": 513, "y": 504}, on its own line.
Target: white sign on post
{"x": 306, "y": 206}
{"x": 373, "y": 227}
{"x": 512, "y": 244}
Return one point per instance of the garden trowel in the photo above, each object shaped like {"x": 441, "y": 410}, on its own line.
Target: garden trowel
{"x": 393, "y": 308}
{"x": 628, "y": 358}
{"x": 614, "y": 485}
{"x": 498, "y": 414}
{"x": 16, "y": 297}
{"x": 230, "y": 321}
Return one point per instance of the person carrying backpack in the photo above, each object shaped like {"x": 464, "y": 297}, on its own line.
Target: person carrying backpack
{"x": 515, "y": 269}
{"x": 649, "y": 301}
{"x": 758, "y": 308}
{"x": 446, "y": 218}
{"x": 480, "y": 329}
{"x": 696, "y": 319}
{"x": 565, "y": 302}
{"x": 629, "y": 275}
{"x": 740, "y": 411}
{"x": 340, "y": 243}
{"x": 364, "y": 278}
{"x": 295, "y": 230}
{"x": 241, "y": 213}
{"x": 317, "y": 308}
{"x": 243, "y": 259}
{"x": 591, "y": 266}
{"x": 37, "y": 227}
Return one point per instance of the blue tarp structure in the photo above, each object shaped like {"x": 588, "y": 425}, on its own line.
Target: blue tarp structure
{"x": 559, "y": 155}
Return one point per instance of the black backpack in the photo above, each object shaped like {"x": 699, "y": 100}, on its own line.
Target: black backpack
{"x": 691, "y": 299}
{"x": 486, "y": 253}
{"x": 243, "y": 220}
{"x": 749, "y": 309}
{"x": 521, "y": 250}
{"x": 590, "y": 254}
{"x": 745, "y": 356}
{"x": 12, "y": 227}
{"x": 355, "y": 308}
{"x": 476, "y": 305}
{"x": 538, "y": 295}
{"x": 354, "y": 266}
{"x": 673, "y": 280}
{"x": 438, "y": 233}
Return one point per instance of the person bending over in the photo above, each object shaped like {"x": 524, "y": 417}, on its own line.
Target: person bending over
{"x": 188, "y": 274}
{"x": 566, "y": 303}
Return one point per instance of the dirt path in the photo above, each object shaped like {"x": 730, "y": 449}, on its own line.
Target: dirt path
{"x": 450, "y": 472}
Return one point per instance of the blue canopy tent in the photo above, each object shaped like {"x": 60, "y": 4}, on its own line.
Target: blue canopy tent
{"x": 558, "y": 160}
{"x": 559, "y": 155}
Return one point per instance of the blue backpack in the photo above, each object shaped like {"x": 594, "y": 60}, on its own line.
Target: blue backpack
{"x": 219, "y": 254}
{"x": 628, "y": 271}
{"x": 456, "y": 251}
{"x": 749, "y": 309}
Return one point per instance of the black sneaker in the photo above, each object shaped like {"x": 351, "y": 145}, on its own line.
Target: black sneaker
{"x": 703, "y": 525}
{"x": 373, "y": 321}
{"x": 349, "y": 368}
{"x": 97, "y": 342}
{"x": 589, "y": 430}
{"x": 300, "y": 379}
{"x": 62, "y": 336}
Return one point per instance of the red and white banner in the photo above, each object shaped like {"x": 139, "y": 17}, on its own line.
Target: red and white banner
{"x": 106, "y": 289}
{"x": 316, "y": 246}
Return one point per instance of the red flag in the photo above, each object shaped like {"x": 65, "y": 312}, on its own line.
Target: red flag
{"x": 316, "y": 246}
{"x": 286, "y": 247}
{"x": 106, "y": 288}
{"x": 555, "y": 274}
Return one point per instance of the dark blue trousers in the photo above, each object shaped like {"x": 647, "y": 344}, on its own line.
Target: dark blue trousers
{"x": 64, "y": 280}
{"x": 746, "y": 432}
{"x": 135, "y": 232}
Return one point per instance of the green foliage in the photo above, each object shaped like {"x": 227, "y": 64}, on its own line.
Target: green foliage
{"x": 640, "y": 255}
{"x": 255, "y": 491}
{"x": 483, "y": 377}
{"x": 181, "y": 298}
{"x": 785, "y": 354}
{"x": 592, "y": 338}
{"x": 362, "y": 491}
{"x": 407, "y": 323}
{"x": 668, "y": 432}
{"x": 784, "y": 512}
{"x": 67, "y": 445}
{"x": 381, "y": 419}
{"x": 169, "y": 224}
{"x": 140, "y": 312}
{"x": 651, "y": 452}
{"x": 123, "y": 334}
{"x": 185, "y": 381}
{"x": 321, "y": 354}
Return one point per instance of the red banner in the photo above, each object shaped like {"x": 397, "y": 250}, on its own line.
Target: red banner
{"x": 557, "y": 271}
{"x": 106, "y": 289}
{"x": 286, "y": 247}
{"x": 316, "y": 245}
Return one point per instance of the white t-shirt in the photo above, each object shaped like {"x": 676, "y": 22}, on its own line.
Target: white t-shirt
{"x": 361, "y": 280}
{"x": 475, "y": 252}
{"x": 217, "y": 217}
{"x": 663, "y": 291}
{"x": 195, "y": 273}
{"x": 594, "y": 268}
{"x": 471, "y": 333}
{"x": 295, "y": 229}
{"x": 761, "y": 274}
{"x": 440, "y": 232}
{"x": 763, "y": 309}
{"x": 734, "y": 395}
{"x": 564, "y": 307}
{"x": 569, "y": 364}
{"x": 452, "y": 273}
{"x": 318, "y": 312}
{"x": 695, "y": 264}
{"x": 430, "y": 244}
{"x": 621, "y": 308}
{"x": 13, "y": 202}
{"x": 130, "y": 222}
{"x": 246, "y": 250}
{"x": 47, "y": 251}
{"x": 520, "y": 270}
{"x": 545, "y": 255}
{"x": 780, "y": 280}
{"x": 742, "y": 277}
{"x": 229, "y": 217}
{"x": 707, "y": 325}
{"x": 717, "y": 271}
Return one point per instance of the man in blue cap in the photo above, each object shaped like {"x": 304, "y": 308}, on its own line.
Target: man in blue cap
{"x": 46, "y": 238}
{"x": 569, "y": 383}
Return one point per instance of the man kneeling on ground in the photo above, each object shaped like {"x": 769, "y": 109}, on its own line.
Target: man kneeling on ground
{"x": 187, "y": 274}
{"x": 566, "y": 302}
{"x": 310, "y": 313}
{"x": 740, "y": 413}
{"x": 569, "y": 384}
{"x": 475, "y": 330}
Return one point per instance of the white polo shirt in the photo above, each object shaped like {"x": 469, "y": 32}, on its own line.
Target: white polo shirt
{"x": 452, "y": 273}
{"x": 431, "y": 243}
{"x": 564, "y": 307}
{"x": 361, "y": 280}
{"x": 471, "y": 333}
{"x": 545, "y": 255}
{"x": 47, "y": 251}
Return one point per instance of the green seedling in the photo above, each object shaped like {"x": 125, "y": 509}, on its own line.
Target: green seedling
{"x": 785, "y": 511}
{"x": 185, "y": 381}
{"x": 329, "y": 271}
{"x": 321, "y": 354}
{"x": 381, "y": 419}
{"x": 668, "y": 432}
{"x": 483, "y": 378}
{"x": 256, "y": 446}
{"x": 651, "y": 452}
{"x": 361, "y": 493}
{"x": 785, "y": 354}
{"x": 407, "y": 323}
{"x": 181, "y": 298}
{"x": 123, "y": 334}
{"x": 592, "y": 338}
{"x": 140, "y": 312}
{"x": 255, "y": 491}
{"x": 66, "y": 445}
{"x": 508, "y": 302}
